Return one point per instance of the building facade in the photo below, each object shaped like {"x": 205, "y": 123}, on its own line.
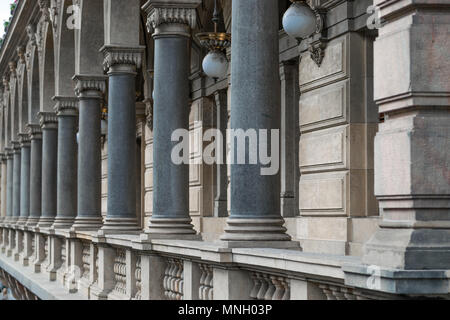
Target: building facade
{"x": 94, "y": 207}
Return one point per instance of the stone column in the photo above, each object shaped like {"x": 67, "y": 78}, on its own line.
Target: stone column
{"x": 121, "y": 63}
{"x": 35, "y": 174}
{"x": 90, "y": 90}
{"x": 255, "y": 105}
{"x": 412, "y": 149}
{"x": 24, "y": 178}
{"x": 9, "y": 184}
{"x": 172, "y": 25}
{"x": 221, "y": 199}
{"x": 16, "y": 182}
{"x": 49, "y": 124}
{"x": 3, "y": 187}
{"x": 66, "y": 202}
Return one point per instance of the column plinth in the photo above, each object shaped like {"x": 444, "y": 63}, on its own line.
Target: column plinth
{"x": 90, "y": 90}
{"x": 35, "y": 133}
{"x": 172, "y": 34}
{"x": 66, "y": 203}
{"x": 49, "y": 125}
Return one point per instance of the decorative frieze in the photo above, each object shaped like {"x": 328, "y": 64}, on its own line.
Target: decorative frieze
{"x": 118, "y": 55}
{"x": 48, "y": 120}
{"x": 90, "y": 85}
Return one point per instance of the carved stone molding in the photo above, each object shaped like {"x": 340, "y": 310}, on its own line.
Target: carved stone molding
{"x": 66, "y": 106}
{"x": 118, "y": 55}
{"x": 48, "y": 120}
{"x": 319, "y": 40}
{"x": 44, "y": 5}
{"x": 93, "y": 86}
{"x": 35, "y": 131}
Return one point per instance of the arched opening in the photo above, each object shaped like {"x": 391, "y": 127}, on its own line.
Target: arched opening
{"x": 33, "y": 89}
{"x": 24, "y": 101}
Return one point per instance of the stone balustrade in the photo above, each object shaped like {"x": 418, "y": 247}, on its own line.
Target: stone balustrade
{"x": 94, "y": 266}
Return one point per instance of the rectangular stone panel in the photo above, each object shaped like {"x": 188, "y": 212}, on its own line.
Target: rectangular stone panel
{"x": 323, "y": 194}
{"x": 334, "y": 66}
{"x": 324, "y": 107}
{"x": 324, "y": 150}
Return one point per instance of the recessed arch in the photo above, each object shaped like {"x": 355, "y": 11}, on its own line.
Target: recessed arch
{"x": 47, "y": 67}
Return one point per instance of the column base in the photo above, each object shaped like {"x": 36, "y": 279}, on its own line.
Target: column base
{"x": 265, "y": 230}
{"x": 45, "y": 222}
{"x": 32, "y": 221}
{"x": 171, "y": 228}
{"x": 63, "y": 223}
{"x": 13, "y": 220}
{"x": 87, "y": 224}
{"x": 119, "y": 226}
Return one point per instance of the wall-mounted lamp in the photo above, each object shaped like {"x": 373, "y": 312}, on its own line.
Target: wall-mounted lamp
{"x": 215, "y": 64}
{"x": 301, "y": 22}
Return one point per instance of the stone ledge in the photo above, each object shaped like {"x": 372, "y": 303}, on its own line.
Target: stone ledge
{"x": 400, "y": 282}
{"x": 37, "y": 283}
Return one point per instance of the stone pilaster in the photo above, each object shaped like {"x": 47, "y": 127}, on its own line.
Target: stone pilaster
{"x": 25, "y": 145}
{"x": 255, "y": 218}
{"x": 66, "y": 203}
{"x": 289, "y": 137}
{"x": 35, "y": 132}
{"x": 221, "y": 196}
{"x": 411, "y": 250}
{"x": 49, "y": 125}
{"x": 171, "y": 25}
{"x": 121, "y": 63}
{"x": 90, "y": 90}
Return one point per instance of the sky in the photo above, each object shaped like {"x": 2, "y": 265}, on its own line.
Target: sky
{"x": 4, "y": 13}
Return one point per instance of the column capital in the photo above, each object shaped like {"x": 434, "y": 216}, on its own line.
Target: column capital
{"x": 179, "y": 12}
{"x": 122, "y": 59}
{"x": 48, "y": 120}
{"x": 3, "y": 156}
{"x": 24, "y": 140}
{"x": 35, "y": 131}
{"x": 90, "y": 86}
{"x": 9, "y": 152}
{"x": 15, "y": 146}
{"x": 66, "y": 106}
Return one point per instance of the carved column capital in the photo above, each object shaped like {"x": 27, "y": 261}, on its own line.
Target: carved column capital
{"x": 90, "y": 86}
{"x": 48, "y": 120}
{"x": 25, "y": 140}
{"x": 66, "y": 106}
{"x": 35, "y": 131}
{"x": 181, "y": 13}
{"x": 122, "y": 58}
{"x": 15, "y": 146}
